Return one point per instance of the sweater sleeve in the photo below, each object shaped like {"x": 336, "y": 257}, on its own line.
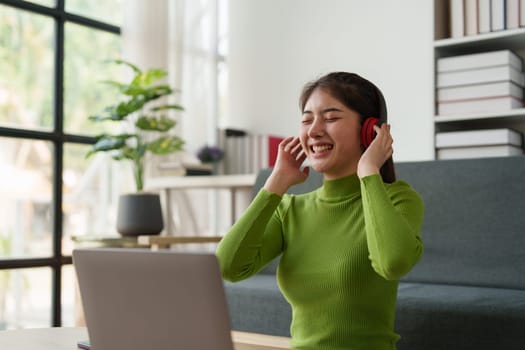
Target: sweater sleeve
{"x": 254, "y": 240}
{"x": 393, "y": 219}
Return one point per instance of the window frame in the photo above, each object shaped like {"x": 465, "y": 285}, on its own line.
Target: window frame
{"x": 58, "y": 138}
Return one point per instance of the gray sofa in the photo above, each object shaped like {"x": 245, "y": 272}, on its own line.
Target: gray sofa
{"x": 468, "y": 290}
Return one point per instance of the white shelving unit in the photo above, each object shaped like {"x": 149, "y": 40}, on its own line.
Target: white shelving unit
{"x": 512, "y": 39}
{"x": 513, "y": 115}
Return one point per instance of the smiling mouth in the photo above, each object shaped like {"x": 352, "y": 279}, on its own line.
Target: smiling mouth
{"x": 321, "y": 148}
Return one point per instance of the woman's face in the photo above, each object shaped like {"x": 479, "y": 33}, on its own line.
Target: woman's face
{"x": 330, "y": 135}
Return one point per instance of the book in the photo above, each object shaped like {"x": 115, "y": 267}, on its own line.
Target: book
{"x": 512, "y": 14}
{"x": 484, "y": 16}
{"x": 480, "y": 75}
{"x": 457, "y": 18}
{"x": 479, "y": 138}
{"x": 247, "y": 153}
{"x": 264, "y": 150}
{"x": 199, "y": 170}
{"x": 498, "y": 13}
{"x": 260, "y": 151}
{"x": 483, "y": 105}
{"x": 479, "y": 60}
{"x": 471, "y": 17}
{"x": 273, "y": 148}
{"x": 233, "y": 147}
{"x": 441, "y": 20}
{"x": 479, "y": 152}
{"x": 178, "y": 168}
{"x": 503, "y": 88}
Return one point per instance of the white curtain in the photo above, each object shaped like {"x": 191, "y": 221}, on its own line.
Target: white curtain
{"x": 181, "y": 37}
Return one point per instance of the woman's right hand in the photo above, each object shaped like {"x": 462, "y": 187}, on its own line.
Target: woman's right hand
{"x": 287, "y": 170}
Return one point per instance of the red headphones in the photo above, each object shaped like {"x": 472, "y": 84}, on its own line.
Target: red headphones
{"x": 367, "y": 129}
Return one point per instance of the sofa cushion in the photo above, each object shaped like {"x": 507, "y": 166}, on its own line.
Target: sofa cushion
{"x": 428, "y": 316}
{"x": 434, "y": 316}
{"x": 257, "y": 305}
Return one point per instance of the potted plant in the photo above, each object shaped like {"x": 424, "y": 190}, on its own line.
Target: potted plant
{"x": 141, "y": 109}
{"x": 211, "y": 155}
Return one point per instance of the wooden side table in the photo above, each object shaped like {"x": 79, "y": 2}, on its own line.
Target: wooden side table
{"x": 154, "y": 242}
{"x": 88, "y": 241}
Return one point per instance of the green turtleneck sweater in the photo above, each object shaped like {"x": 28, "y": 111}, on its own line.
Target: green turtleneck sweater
{"x": 344, "y": 246}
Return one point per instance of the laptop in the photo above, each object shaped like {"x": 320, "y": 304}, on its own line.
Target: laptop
{"x": 137, "y": 299}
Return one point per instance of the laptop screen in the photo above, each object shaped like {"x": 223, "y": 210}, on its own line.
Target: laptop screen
{"x": 140, "y": 299}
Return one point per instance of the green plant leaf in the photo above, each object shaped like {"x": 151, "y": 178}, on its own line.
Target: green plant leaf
{"x": 166, "y": 145}
{"x": 125, "y": 108}
{"x": 164, "y": 107}
{"x": 136, "y": 69}
{"x": 129, "y": 153}
{"x": 126, "y": 89}
{"x": 145, "y": 79}
{"x": 107, "y": 143}
{"x": 143, "y": 88}
{"x": 157, "y": 91}
{"x": 162, "y": 123}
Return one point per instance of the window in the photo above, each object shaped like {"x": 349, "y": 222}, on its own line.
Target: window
{"x": 52, "y": 56}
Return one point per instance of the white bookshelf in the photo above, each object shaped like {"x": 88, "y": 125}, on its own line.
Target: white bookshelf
{"x": 513, "y": 115}
{"x": 444, "y": 46}
{"x": 513, "y": 39}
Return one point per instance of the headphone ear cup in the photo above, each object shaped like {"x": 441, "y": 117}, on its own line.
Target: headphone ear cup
{"x": 367, "y": 131}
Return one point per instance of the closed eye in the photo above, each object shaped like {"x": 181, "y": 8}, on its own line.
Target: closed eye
{"x": 331, "y": 114}
{"x": 307, "y": 117}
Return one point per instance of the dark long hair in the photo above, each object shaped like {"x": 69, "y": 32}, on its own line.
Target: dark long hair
{"x": 356, "y": 93}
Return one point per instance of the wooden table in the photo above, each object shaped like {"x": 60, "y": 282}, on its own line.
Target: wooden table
{"x": 66, "y": 339}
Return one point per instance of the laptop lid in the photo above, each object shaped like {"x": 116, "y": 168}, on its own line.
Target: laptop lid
{"x": 138, "y": 299}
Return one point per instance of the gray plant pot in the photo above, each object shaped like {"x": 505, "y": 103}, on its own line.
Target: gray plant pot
{"x": 139, "y": 214}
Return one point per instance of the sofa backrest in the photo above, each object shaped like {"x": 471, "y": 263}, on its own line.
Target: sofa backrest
{"x": 314, "y": 180}
{"x": 474, "y": 225}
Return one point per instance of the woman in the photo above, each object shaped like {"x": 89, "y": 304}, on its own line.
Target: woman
{"x": 345, "y": 245}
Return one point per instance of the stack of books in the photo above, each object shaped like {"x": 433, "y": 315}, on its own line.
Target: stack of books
{"x": 245, "y": 152}
{"x": 180, "y": 168}
{"x": 479, "y": 83}
{"x": 479, "y": 143}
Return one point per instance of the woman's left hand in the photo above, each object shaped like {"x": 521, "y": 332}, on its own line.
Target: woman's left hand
{"x": 377, "y": 153}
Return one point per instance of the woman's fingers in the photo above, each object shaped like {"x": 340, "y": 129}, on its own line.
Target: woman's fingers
{"x": 383, "y": 135}
{"x": 291, "y": 145}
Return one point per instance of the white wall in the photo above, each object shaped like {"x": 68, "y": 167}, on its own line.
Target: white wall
{"x": 278, "y": 45}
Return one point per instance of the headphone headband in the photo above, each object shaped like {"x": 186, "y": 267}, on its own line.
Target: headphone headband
{"x": 383, "y": 114}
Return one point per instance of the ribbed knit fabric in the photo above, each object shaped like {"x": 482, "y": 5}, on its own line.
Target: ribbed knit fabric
{"x": 344, "y": 247}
